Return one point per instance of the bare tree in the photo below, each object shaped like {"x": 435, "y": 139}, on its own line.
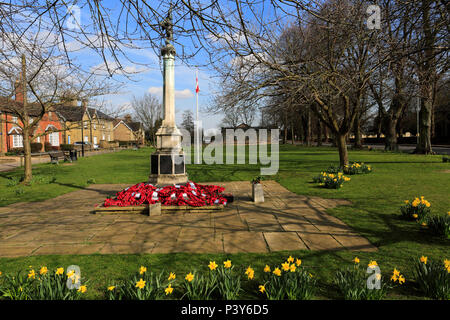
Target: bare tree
{"x": 148, "y": 110}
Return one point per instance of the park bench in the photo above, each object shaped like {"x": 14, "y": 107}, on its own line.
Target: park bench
{"x": 56, "y": 156}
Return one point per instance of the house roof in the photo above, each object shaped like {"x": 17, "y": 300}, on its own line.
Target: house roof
{"x": 75, "y": 113}
{"x": 12, "y": 106}
{"x": 132, "y": 125}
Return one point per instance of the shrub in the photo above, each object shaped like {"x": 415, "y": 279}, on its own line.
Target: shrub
{"x": 353, "y": 283}
{"x": 418, "y": 209}
{"x": 91, "y": 181}
{"x": 14, "y": 152}
{"x": 12, "y": 182}
{"x": 36, "y": 147}
{"x": 67, "y": 147}
{"x": 290, "y": 281}
{"x": 48, "y": 147}
{"x": 331, "y": 180}
{"x": 334, "y": 169}
{"x": 357, "y": 168}
{"x": 433, "y": 278}
{"x": 439, "y": 225}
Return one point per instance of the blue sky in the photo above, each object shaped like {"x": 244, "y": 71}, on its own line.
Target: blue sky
{"x": 148, "y": 78}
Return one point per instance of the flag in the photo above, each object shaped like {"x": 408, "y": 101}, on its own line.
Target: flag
{"x": 197, "y": 89}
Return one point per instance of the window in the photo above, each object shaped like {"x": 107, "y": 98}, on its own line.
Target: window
{"x": 103, "y": 137}
{"x": 85, "y": 124}
{"x": 53, "y": 138}
{"x": 38, "y": 139}
{"x": 86, "y": 139}
{"x": 95, "y": 140}
{"x": 109, "y": 137}
{"x": 68, "y": 139}
{"x": 95, "y": 126}
{"x": 30, "y": 120}
{"x": 17, "y": 141}
{"x": 14, "y": 119}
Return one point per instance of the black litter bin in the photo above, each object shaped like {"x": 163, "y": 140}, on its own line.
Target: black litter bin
{"x": 73, "y": 155}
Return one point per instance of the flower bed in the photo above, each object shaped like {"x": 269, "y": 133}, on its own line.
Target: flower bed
{"x": 331, "y": 180}
{"x": 191, "y": 194}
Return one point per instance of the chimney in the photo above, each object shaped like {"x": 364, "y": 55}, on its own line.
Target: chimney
{"x": 127, "y": 118}
{"x": 18, "y": 91}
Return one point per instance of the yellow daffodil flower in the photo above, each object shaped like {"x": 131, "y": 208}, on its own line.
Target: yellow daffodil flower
{"x": 31, "y": 274}
{"x": 140, "y": 284}
{"x": 293, "y": 268}
{"x": 227, "y": 264}
{"x": 266, "y": 268}
{"x": 59, "y": 271}
{"x": 82, "y": 289}
{"x": 298, "y": 262}
{"x": 262, "y": 288}
{"x": 189, "y": 277}
{"x": 277, "y": 272}
{"x": 43, "y": 270}
{"x": 142, "y": 269}
{"x": 212, "y": 265}
{"x": 169, "y": 290}
{"x": 423, "y": 259}
{"x": 290, "y": 259}
{"x": 401, "y": 279}
{"x": 111, "y": 288}
{"x": 356, "y": 260}
{"x": 285, "y": 266}
{"x": 172, "y": 276}
{"x": 372, "y": 264}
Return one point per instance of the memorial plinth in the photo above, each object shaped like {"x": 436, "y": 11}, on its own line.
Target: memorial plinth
{"x": 167, "y": 162}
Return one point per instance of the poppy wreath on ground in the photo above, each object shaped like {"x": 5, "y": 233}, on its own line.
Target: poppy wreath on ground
{"x": 191, "y": 194}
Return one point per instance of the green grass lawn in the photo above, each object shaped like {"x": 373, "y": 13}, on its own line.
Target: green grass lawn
{"x": 375, "y": 213}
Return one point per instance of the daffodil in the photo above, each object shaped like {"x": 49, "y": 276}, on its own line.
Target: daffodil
{"x": 168, "y": 290}
{"x": 111, "y": 288}
{"x": 396, "y": 272}
{"x": 82, "y": 289}
{"x": 292, "y": 268}
{"x": 250, "y": 273}
{"x": 266, "y": 268}
{"x": 285, "y": 266}
{"x": 356, "y": 260}
{"x": 189, "y": 277}
{"x": 70, "y": 273}
{"x": 212, "y": 265}
{"x": 277, "y": 272}
{"x": 298, "y": 262}
{"x": 172, "y": 276}
{"x": 31, "y": 274}
{"x": 142, "y": 269}
{"x": 140, "y": 284}
{"x": 401, "y": 279}
{"x": 227, "y": 264}
{"x": 372, "y": 264}
{"x": 59, "y": 271}
{"x": 423, "y": 259}
{"x": 43, "y": 270}
{"x": 290, "y": 259}
{"x": 262, "y": 288}
{"x": 394, "y": 277}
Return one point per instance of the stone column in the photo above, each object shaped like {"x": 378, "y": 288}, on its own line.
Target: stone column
{"x": 167, "y": 162}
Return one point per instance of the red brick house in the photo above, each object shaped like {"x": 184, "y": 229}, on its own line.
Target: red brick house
{"x": 10, "y": 124}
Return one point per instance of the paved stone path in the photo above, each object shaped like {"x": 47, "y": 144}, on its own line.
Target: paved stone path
{"x": 285, "y": 221}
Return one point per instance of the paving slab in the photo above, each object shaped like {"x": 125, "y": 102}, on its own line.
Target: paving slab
{"x": 285, "y": 221}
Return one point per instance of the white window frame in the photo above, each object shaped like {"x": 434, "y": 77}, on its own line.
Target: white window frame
{"x": 53, "y": 138}
{"x": 17, "y": 141}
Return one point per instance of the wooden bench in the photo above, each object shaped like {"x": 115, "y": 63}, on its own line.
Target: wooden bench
{"x": 55, "y": 156}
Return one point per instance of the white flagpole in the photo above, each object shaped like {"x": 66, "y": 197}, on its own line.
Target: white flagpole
{"x": 196, "y": 104}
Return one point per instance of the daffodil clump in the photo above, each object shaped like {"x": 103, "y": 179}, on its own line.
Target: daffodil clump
{"x": 289, "y": 281}
{"x": 352, "y": 282}
{"x": 433, "y": 277}
{"x": 417, "y": 209}
{"x": 331, "y": 180}
{"x": 439, "y": 225}
{"x": 143, "y": 285}
{"x": 357, "y": 168}
{"x": 43, "y": 284}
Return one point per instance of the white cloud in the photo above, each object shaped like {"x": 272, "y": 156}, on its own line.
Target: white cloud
{"x": 179, "y": 94}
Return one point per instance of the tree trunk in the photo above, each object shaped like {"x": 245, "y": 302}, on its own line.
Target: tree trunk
{"x": 342, "y": 148}
{"x": 27, "y": 157}
{"x": 390, "y": 142}
{"x": 424, "y": 145}
{"x": 308, "y": 127}
{"x": 292, "y": 133}
{"x": 319, "y": 132}
{"x": 357, "y": 144}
